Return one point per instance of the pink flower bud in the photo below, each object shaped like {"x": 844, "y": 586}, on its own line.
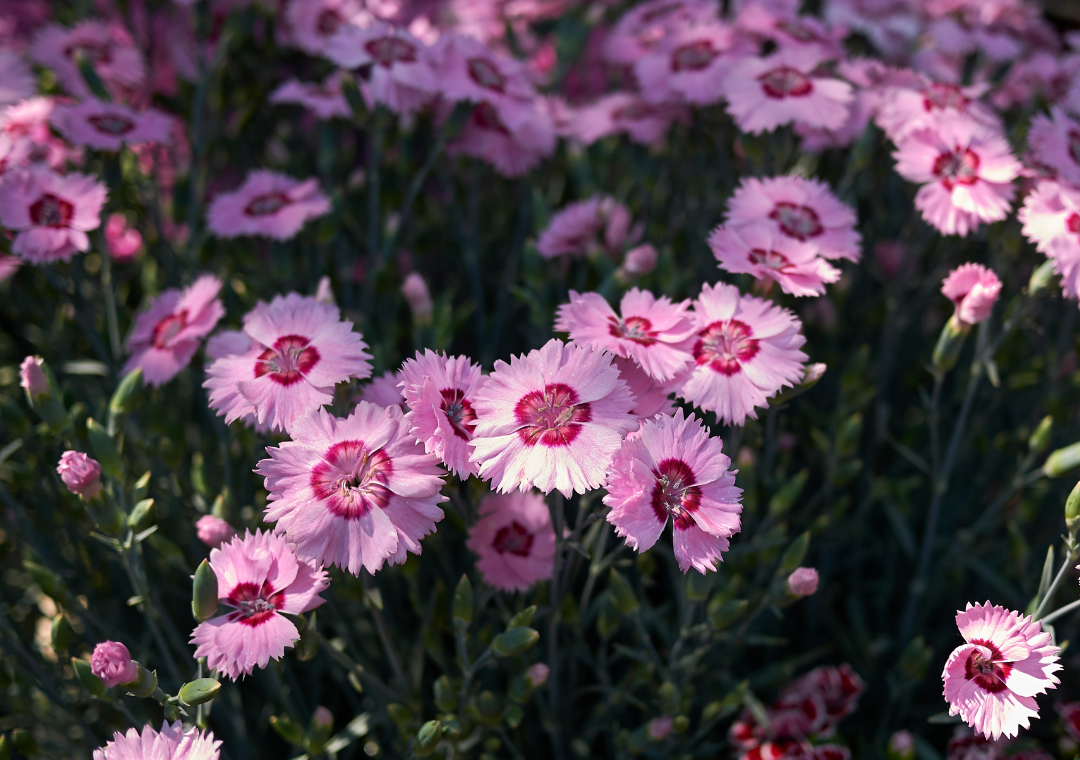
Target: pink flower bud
{"x": 802, "y": 581}
{"x": 80, "y": 473}
{"x": 659, "y": 729}
{"x": 32, "y": 378}
{"x": 213, "y": 531}
{"x": 640, "y": 260}
{"x": 416, "y": 292}
{"x": 111, "y": 662}
{"x": 122, "y": 241}
{"x": 537, "y": 675}
{"x": 901, "y": 746}
{"x": 325, "y": 292}
{"x": 322, "y": 717}
{"x": 973, "y": 289}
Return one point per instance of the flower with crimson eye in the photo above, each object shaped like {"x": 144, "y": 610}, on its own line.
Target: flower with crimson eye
{"x": 514, "y": 540}
{"x": 1051, "y": 219}
{"x": 261, "y": 580}
{"x": 689, "y": 65}
{"x": 991, "y": 681}
{"x": 106, "y": 46}
{"x": 51, "y": 213}
{"x": 673, "y": 470}
{"x": 551, "y": 419}
{"x": 300, "y": 349}
{"x": 169, "y": 332}
{"x": 110, "y": 126}
{"x": 771, "y": 256}
{"x": 268, "y": 204}
{"x": 401, "y": 75}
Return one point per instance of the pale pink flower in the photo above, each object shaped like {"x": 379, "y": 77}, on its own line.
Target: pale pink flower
{"x": 747, "y": 349}
{"x": 624, "y": 112}
{"x": 1051, "y": 219}
{"x": 28, "y": 118}
{"x": 551, "y": 419}
{"x": 353, "y": 492}
{"x": 675, "y": 469}
{"x": 514, "y": 540}
{"x": 537, "y": 674}
{"x": 402, "y": 75}
{"x": 766, "y": 93}
{"x": 14, "y": 152}
{"x": 269, "y": 204}
{"x": 123, "y": 242}
{"x": 803, "y": 581}
{"x": 639, "y": 261}
{"x": 32, "y": 378}
{"x": 232, "y": 343}
{"x": 966, "y": 172}
{"x": 1055, "y": 141}
{"x": 262, "y": 579}
{"x": 799, "y": 208}
{"x": 688, "y": 66}
{"x": 384, "y": 390}
{"x": 659, "y": 729}
{"x": 599, "y": 223}
{"x": 468, "y": 70}
{"x": 651, "y": 397}
{"x": 9, "y": 265}
{"x": 654, "y": 332}
{"x": 300, "y": 349}
{"x": 171, "y": 743}
{"x": 324, "y": 99}
{"x": 512, "y": 150}
{"x": 314, "y": 23}
{"x": 991, "y": 681}
{"x": 644, "y": 27}
{"x": 111, "y": 662}
{"x": 80, "y": 473}
{"x": 439, "y": 392}
{"x": 973, "y": 289}
{"x": 910, "y": 102}
{"x": 213, "y": 531}
{"x": 110, "y": 126}
{"x": 417, "y": 295}
{"x": 51, "y": 213}
{"x": 770, "y": 255}
{"x": 786, "y": 28}
{"x": 107, "y": 46}
{"x": 169, "y": 332}
{"x": 17, "y": 82}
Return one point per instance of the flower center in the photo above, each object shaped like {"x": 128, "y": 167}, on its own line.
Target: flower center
{"x": 267, "y": 204}
{"x": 513, "y": 539}
{"x": 724, "y": 345}
{"x": 674, "y": 493}
{"x": 785, "y": 82}
{"x": 329, "y": 21}
{"x": 799, "y": 222}
{"x": 1072, "y": 224}
{"x": 988, "y": 672}
{"x": 773, "y": 260}
{"x": 459, "y": 412}
{"x": 255, "y": 605}
{"x": 942, "y": 96}
{"x": 51, "y": 211}
{"x": 111, "y": 124}
{"x": 483, "y": 72}
{"x": 351, "y": 480}
{"x": 637, "y": 329}
{"x": 552, "y": 417}
{"x": 486, "y": 117}
{"x": 390, "y": 50}
{"x": 166, "y": 329}
{"x": 693, "y": 56}
{"x": 634, "y": 112}
{"x": 958, "y": 167}
{"x": 288, "y": 361}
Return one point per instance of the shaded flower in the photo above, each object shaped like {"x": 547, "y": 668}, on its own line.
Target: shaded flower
{"x": 688, "y": 66}
{"x": 401, "y": 75}
{"x": 169, "y": 332}
{"x": 107, "y": 46}
{"x": 627, "y": 113}
{"x": 417, "y": 295}
{"x": 803, "y": 581}
{"x": 973, "y": 289}
{"x": 110, "y": 126}
{"x": 512, "y": 150}
{"x": 384, "y": 390}
{"x": 32, "y": 377}
{"x": 17, "y": 81}
{"x": 171, "y": 743}
{"x": 599, "y": 223}
{"x": 314, "y": 23}
{"x": 772, "y": 256}
{"x": 324, "y": 99}
{"x": 639, "y": 261}
{"x": 111, "y": 662}
{"x": 268, "y": 204}
{"x": 469, "y": 70}
{"x": 1051, "y": 219}
{"x": 260, "y": 577}
{"x": 514, "y": 540}
{"x": 122, "y": 241}
{"x": 648, "y": 25}
{"x": 213, "y": 531}
{"x": 51, "y": 213}
{"x": 353, "y": 492}
{"x": 1055, "y": 141}
{"x": 80, "y": 473}
{"x": 675, "y": 470}
{"x": 651, "y": 397}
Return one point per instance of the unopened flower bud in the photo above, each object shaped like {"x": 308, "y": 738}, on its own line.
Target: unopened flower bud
{"x": 659, "y": 729}
{"x": 213, "y": 531}
{"x": 901, "y": 746}
{"x": 803, "y": 581}
{"x": 416, "y": 292}
{"x": 1062, "y": 460}
{"x": 426, "y": 738}
{"x": 112, "y": 663}
{"x": 325, "y": 292}
{"x": 639, "y": 260}
{"x": 949, "y": 345}
{"x": 1041, "y": 277}
{"x": 144, "y": 685}
{"x": 32, "y": 378}
{"x": 1072, "y": 510}
{"x": 204, "y": 592}
{"x": 80, "y": 473}
{"x": 1040, "y": 439}
{"x": 973, "y": 289}
{"x": 199, "y": 691}
{"x": 537, "y": 675}
{"x": 322, "y": 726}
{"x": 122, "y": 242}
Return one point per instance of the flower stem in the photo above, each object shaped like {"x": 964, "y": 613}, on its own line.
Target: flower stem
{"x": 557, "y": 519}
{"x": 1070, "y": 557}
{"x": 1060, "y": 611}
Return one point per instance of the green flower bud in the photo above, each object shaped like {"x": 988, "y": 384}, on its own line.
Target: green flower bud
{"x": 489, "y": 706}
{"x": 144, "y": 685}
{"x": 199, "y": 691}
{"x": 142, "y": 487}
{"x": 1040, "y": 439}
{"x": 669, "y": 697}
{"x": 204, "y": 592}
{"x": 86, "y": 677}
{"x": 514, "y": 715}
{"x": 287, "y": 729}
{"x": 445, "y": 696}
{"x": 5, "y": 747}
{"x": 24, "y": 742}
{"x": 48, "y": 580}
{"x": 1072, "y": 510}
{"x": 400, "y": 714}
{"x": 426, "y": 738}
{"x": 171, "y": 712}
{"x": 463, "y": 604}
{"x": 949, "y": 345}
{"x": 522, "y": 618}
{"x": 1062, "y": 460}
{"x": 60, "y": 634}
{"x": 680, "y": 723}
{"x": 514, "y": 641}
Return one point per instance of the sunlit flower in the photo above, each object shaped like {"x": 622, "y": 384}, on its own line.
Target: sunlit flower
{"x": 269, "y": 204}
{"x": 80, "y": 473}
{"x": 772, "y": 256}
{"x": 973, "y": 289}
{"x": 1051, "y": 219}
{"x": 111, "y": 662}
{"x": 51, "y": 213}
{"x": 912, "y": 101}
{"x": 514, "y": 540}
{"x": 171, "y": 743}
{"x": 213, "y": 531}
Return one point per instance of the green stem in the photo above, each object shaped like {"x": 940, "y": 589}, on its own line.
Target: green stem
{"x": 1070, "y": 558}
{"x": 1061, "y": 611}
{"x": 110, "y": 299}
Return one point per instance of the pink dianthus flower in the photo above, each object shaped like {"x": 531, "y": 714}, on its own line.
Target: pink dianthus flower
{"x": 213, "y": 531}
{"x": 261, "y": 578}
{"x": 992, "y": 680}
{"x": 1055, "y": 141}
{"x": 966, "y": 172}
{"x": 468, "y": 70}
{"x": 110, "y": 126}
{"x": 16, "y": 79}
{"x": 646, "y": 26}
{"x": 384, "y": 390}
{"x": 80, "y": 473}
{"x": 439, "y": 391}
{"x": 111, "y": 662}
{"x": 123, "y": 242}
{"x": 108, "y": 47}
{"x": 624, "y": 112}
{"x": 268, "y": 204}
{"x": 171, "y": 743}
{"x": 772, "y": 256}
{"x": 169, "y": 332}
{"x": 675, "y": 470}
{"x": 654, "y": 332}
{"x": 766, "y": 93}
{"x": 973, "y": 289}
{"x": 402, "y": 76}
{"x": 688, "y": 66}
{"x": 912, "y": 101}
{"x": 746, "y": 350}
{"x": 32, "y": 378}
{"x": 512, "y": 150}
{"x": 324, "y": 99}
{"x": 803, "y": 581}
{"x": 514, "y": 540}
{"x": 551, "y": 419}
{"x": 315, "y": 23}
{"x": 300, "y": 349}
{"x": 1051, "y": 219}
{"x": 353, "y": 492}
{"x": 651, "y": 397}
{"x": 51, "y": 213}
{"x": 597, "y": 223}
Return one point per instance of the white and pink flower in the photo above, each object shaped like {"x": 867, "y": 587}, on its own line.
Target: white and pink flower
{"x": 52, "y": 213}
{"x": 268, "y": 204}
{"x": 514, "y": 540}
{"x": 771, "y": 256}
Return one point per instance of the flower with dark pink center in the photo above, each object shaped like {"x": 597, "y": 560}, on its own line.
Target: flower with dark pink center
{"x": 108, "y": 48}
{"x": 910, "y": 101}
{"x": 992, "y": 680}
{"x": 324, "y": 99}
{"x": 512, "y": 147}
{"x": 1051, "y": 219}
{"x": 51, "y": 213}
{"x": 299, "y": 350}
{"x": 673, "y": 470}
{"x": 169, "y": 332}
{"x": 688, "y": 66}
{"x": 353, "y": 492}
{"x": 654, "y": 332}
{"x": 261, "y": 579}
{"x": 469, "y": 70}
{"x": 401, "y": 72}
{"x": 746, "y": 349}
{"x": 648, "y": 26}
{"x": 514, "y": 540}
{"x": 551, "y": 419}
{"x": 110, "y": 126}
{"x": 268, "y": 204}
{"x": 315, "y": 23}
{"x": 439, "y": 391}
{"x": 772, "y": 256}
